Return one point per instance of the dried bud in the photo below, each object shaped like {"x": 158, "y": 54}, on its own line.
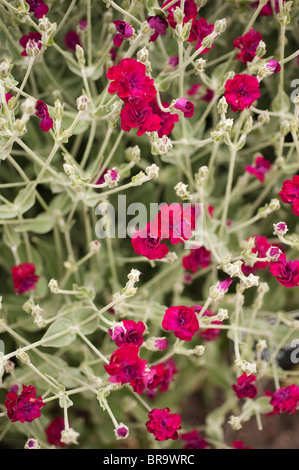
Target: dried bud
{"x": 82, "y": 103}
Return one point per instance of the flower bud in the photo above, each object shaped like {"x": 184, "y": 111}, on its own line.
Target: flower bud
{"x": 80, "y": 55}
{"x": 5, "y": 68}
{"x": 181, "y": 190}
{"x": 152, "y": 171}
{"x": 82, "y": 103}
{"x": 133, "y": 154}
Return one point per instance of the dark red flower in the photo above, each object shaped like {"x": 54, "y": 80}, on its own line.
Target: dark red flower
{"x": 190, "y": 11}
{"x": 25, "y": 407}
{"x": 285, "y": 400}
{"x": 163, "y": 375}
{"x": 159, "y": 25}
{"x": 199, "y": 30}
{"x": 163, "y": 424}
{"x": 186, "y": 106}
{"x": 239, "y": 445}
{"x": 138, "y": 114}
{"x": 131, "y": 333}
{"x": 24, "y": 277}
{"x": 39, "y": 8}
{"x": 129, "y": 81}
{"x": 209, "y": 334}
{"x": 290, "y": 193}
{"x": 182, "y": 321}
{"x": 36, "y": 37}
{"x": 71, "y": 39}
{"x": 286, "y": 272}
{"x": 125, "y": 365}
{"x": 267, "y": 9}
{"x": 174, "y": 223}
{"x": 245, "y": 387}
{"x": 193, "y": 440}
{"x": 147, "y": 244}
{"x": 41, "y": 111}
{"x": 261, "y": 247}
{"x": 125, "y": 31}
{"x": 198, "y": 257}
{"x": 53, "y": 432}
{"x": 260, "y": 168}
{"x": 241, "y": 91}
{"x": 274, "y": 66}
{"x": 247, "y": 45}
{"x": 168, "y": 119}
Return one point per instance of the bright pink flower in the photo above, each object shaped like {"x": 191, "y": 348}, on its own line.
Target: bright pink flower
{"x": 125, "y": 31}
{"x": 290, "y": 193}
{"x": 186, "y": 106}
{"x": 199, "y": 30}
{"x": 267, "y": 9}
{"x": 241, "y": 91}
{"x": 163, "y": 424}
{"x": 129, "y": 80}
{"x": 25, "y": 407}
{"x": 247, "y": 45}
{"x": 274, "y": 66}
{"x": 82, "y": 24}
{"x": 174, "y": 223}
{"x": 198, "y": 257}
{"x": 239, "y": 445}
{"x": 260, "y": 168}
{"x": 209, "y": 334}
{"x": 159, "y": 25}
{"x": 125, "y": 365}
{"x": 71, "y": 39}
{"x": 36, "y": 37}
{"x": 245, "y": 387}
{"x": 173, "y": 61}
{"x": 122, "y": 431}
{"x": 138, "y": 114}
{"x": 261, "y": 247}
{"x": 285, "y": 400}
{"x": 148, "y": 244}
{"x": 39, "y": 8}
{"x": 182, "y": 321}
{"x": 161, "y": 344}
{"x": 286, "y": 272}
{"x": 193, "y": 440}
{"x": 193, "y": 90}
{"x": 41, "y": 111}
{"x": 53, "y": 432}
{"x": 163, "y": 375}
{"x": 190, "y": 11}
{"x": 223, "y": 286}
{"x": 168, "y": 119}
{"x": 24, "y": 277}
{"x": 131, "y": 333}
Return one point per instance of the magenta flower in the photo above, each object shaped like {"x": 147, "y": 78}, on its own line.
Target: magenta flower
{"x": 173, "y": 223}
{"x": 147, "y": 244}
{"x": 129, "y": 80}
{"x": 261, "y": 247}
{"x": 286, "y": 272}
{"x": 182, "y": 321}
{"x": 159, "y": 25}
{"x": 241, "y": 91}
{"x": 184, "y": 105}
{"x": 239, "y": 445}
{"x": 260, "y": 168}
{"x": 125, "y": 31}
{"x": 198, "y": 257}
{"x": 223, "y": 286}
{"x": 163, "y": 375}
{"x": 163, "y": 424}
{"x": 285, "y": 400}
{"x": 245, "y": 387}
{"x": 190, "y": 11}
{"x": 43, "y": 113}
{"x": 125, "y": 365}
{"x": 168, "y": 119}
{"x": 199, "y": 30}
{"x": 206, "y": 96}
{"x": 82, "y": 25}
{"x": 173, "y": 61}
{"x": 267, "y": 9}
{"x": 30, "y": 37}
{"x": 24, "y": 277}
{"x": 274, "y": 66}
{"x": 247, "y": 45}
{"x": 39, "y": 8}
{"x": 193, "y": 440}
{"x": 132, "y": 333}
{"x": 71, "y": 39}
{"x": 25, "y": 407}
{"x": 138, "y": 114}
{"x": 290, "y": 193}
{"x": 53, "y": 432}
{"x": 161, "y": 344}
